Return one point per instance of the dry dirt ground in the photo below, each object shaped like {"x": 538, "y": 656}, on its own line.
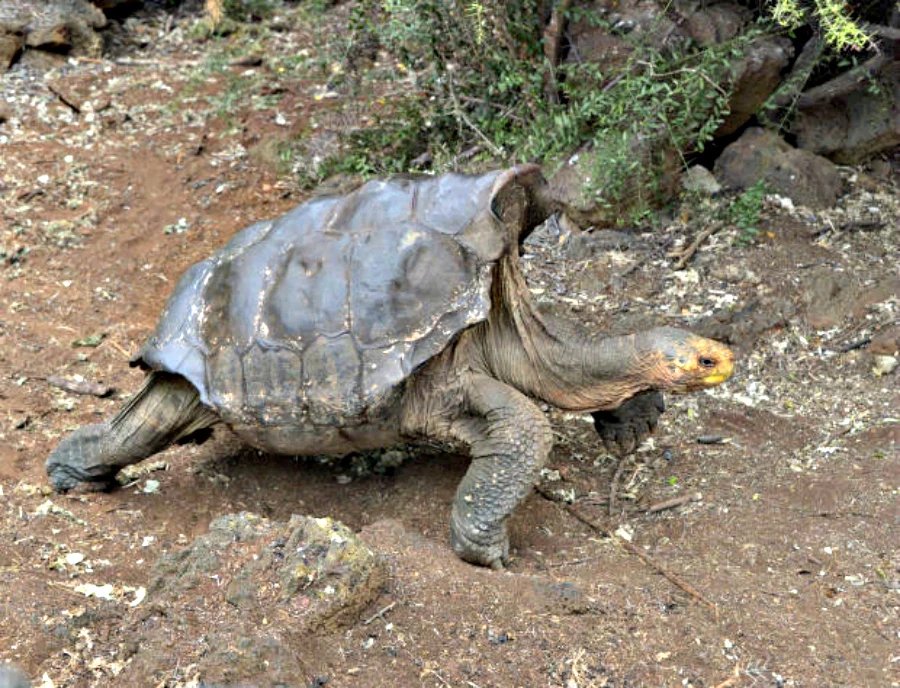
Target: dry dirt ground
{"x": 785, "y": 573}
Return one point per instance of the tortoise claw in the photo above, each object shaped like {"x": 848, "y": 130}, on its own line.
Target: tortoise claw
{"x": 78, "y": 461}
{"x": 623, "y": 429}
{"x": 477, "y": 547}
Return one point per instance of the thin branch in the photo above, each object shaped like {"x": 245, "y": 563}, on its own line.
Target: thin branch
{"x": 614, "y": 485}
{"x": 889, "y": 32}
{"x": 458, "y": 111}
{"x": 684, "y": 255}
{"x": 844, "y": 84}
{"x": 668, "y": 575}
{"x": 647, "y": 559}
{"x": 380, "y": 613}
{"x": 552, "y": 41}
{"x": 65, "y": 101}
{"x": 674, "y": 502}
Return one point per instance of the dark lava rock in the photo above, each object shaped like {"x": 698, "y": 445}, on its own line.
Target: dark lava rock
{"x": 830, "y": 297}
{"x": 849, "y": 127}
{"x": 316, "y": 564}
{"x": 59, "y": 26}
{"x": 758, "y": 154}
{"x": 754, "y": 77}
{"x": 742, "y": 327}
{"x": 716, "y": 24}
{"x": 246, "y": 601}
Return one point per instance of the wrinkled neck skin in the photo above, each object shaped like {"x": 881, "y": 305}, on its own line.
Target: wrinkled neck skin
{"x": 549, "y": 360}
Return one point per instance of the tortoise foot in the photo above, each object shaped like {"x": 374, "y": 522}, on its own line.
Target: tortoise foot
{"x": 485, "y": 547}
{"x": 79, "y": 460}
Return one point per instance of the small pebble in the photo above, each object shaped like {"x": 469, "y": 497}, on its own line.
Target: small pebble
{"x": 884, "y": 365}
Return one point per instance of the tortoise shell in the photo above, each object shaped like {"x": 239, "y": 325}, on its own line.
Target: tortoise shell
{"x": 320, "y": 315}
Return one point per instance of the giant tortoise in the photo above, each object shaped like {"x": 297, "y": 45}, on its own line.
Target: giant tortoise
{"x": 394, "y": 313}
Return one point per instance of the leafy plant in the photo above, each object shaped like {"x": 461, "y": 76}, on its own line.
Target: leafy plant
{"x": 745, "y": 211}
{"x": 833, "y": 17}
{"x": 475, "y": 74}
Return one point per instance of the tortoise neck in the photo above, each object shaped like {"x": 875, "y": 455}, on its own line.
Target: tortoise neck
{"x": 549, "y": 359}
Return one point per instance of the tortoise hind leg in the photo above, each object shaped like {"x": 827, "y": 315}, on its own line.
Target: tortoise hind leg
{"x": 165, "y": 410}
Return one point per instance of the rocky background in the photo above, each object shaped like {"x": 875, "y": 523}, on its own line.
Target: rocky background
{"x": 752, "y": 541}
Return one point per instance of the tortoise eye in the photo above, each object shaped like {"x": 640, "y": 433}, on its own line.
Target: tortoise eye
{"x": 706, "y": 362}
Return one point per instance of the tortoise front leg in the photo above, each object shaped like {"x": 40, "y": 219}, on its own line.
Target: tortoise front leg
{"x": 510, "y": 439}
{"x": 624, "y": 428}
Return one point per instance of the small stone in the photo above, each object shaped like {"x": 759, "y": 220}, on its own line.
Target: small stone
{"x": 700, "y": 180}
{"x": 886, "y": 342}
{"x": 10, "y": 47}
{"x": 884, "y": 365}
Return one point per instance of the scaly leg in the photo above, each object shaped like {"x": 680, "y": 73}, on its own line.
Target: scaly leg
{"x": 163, "y": 411}
{"x": 510, "y": 439}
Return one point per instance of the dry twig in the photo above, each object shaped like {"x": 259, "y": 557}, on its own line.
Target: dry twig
{"x": 674, "y": 502}
{"x": 647, "y": 559}
{"x": 614, "y": 485}
{"x": 671, "y": 577}
{"x": 731, "y": 680}
{"x": 64, "y": 100}
{"x": 684, "y": 255}
{"x": 380, "y": 613}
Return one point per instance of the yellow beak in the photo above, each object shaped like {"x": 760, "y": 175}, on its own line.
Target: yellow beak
{"x": 726, "y": 367}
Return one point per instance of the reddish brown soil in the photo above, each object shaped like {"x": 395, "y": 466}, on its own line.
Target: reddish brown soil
{"x": 793, "y": 550}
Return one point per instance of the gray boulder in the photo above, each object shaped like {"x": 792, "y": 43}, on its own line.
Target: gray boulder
{"x": 754, "y": 77}
{"x": 13, "y": 677}
{"x": 804, "y": 177}
{"x": 849, "y": 126}
{"x": 244, "y": 603}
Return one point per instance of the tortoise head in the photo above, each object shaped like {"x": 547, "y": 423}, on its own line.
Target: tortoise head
{"x": 679, "y": 361}
{"x": 520, "y": 199}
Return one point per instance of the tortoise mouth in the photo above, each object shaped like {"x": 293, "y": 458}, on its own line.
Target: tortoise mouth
{"x": 721, "y": 374}
{"x": 716, "y": 378}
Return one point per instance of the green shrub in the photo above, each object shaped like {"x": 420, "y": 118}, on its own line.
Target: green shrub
{"x": 744, "y": 213}
{"x": 478, "y": 73}
{"x": 833, "y": 19}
